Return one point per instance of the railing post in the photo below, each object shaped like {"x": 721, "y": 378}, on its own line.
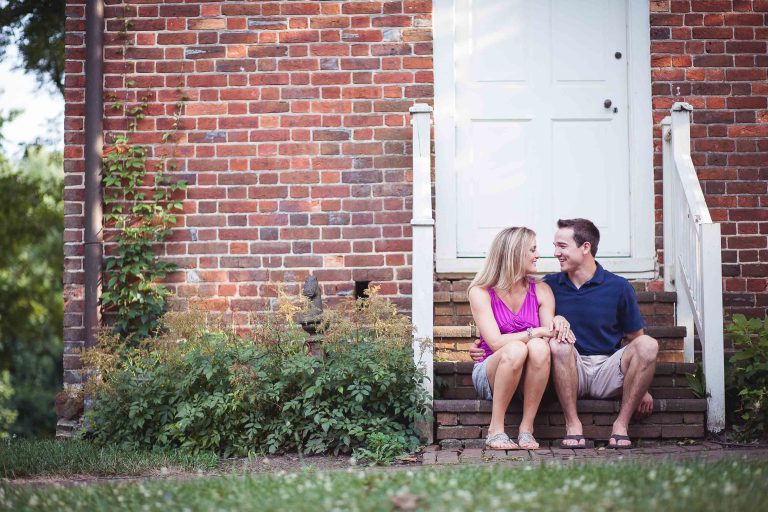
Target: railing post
{"x": 423, "y": 226}
{"x": 668, "y": 168}
{"x": 712, "y": 320}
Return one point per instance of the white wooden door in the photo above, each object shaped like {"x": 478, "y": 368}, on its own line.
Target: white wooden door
{"x": 535, "y": 139}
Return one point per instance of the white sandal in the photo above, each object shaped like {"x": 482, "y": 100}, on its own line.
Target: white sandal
{"x": 499, "y": 438}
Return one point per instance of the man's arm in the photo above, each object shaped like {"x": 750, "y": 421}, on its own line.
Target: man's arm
{"x": 632, "y": 335}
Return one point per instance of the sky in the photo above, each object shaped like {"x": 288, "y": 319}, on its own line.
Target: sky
{"x": 43, "y": 108}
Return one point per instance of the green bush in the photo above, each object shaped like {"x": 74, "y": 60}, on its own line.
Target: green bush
{"x": 747, "y": 376}
{"x": 202, "y": 387}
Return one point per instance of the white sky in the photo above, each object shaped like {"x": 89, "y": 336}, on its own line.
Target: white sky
{"x": 43, "y": 114}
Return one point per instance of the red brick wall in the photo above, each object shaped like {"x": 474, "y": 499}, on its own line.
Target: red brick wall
{"x": 295, "y": 140}
{"x": 712, "y": 54}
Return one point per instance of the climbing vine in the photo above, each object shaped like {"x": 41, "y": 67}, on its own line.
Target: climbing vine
{"x": 141, "y": 203}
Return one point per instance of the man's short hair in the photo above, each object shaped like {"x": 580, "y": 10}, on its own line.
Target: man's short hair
{"x": 583, "y": 231}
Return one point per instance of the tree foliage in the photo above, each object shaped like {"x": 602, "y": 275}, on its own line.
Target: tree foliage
{"x": 31, "y": 303}
{"x": 36, "y": 27}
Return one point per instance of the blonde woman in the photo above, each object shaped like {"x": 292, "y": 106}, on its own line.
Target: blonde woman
{"x": 515, "y": 315}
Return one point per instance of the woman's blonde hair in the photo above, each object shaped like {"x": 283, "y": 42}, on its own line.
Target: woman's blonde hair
{"x": 505, "y": 264}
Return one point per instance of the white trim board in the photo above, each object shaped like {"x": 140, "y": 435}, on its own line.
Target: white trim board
{"x": 642, "y": 262}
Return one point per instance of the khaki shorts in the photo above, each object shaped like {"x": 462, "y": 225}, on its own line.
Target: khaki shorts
{"x": 600, "y": 376}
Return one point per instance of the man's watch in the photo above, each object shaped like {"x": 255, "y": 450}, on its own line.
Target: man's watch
{"x": 529, "y": 332}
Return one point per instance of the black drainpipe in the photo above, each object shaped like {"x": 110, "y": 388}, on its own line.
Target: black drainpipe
{"x": 94, "y": 111}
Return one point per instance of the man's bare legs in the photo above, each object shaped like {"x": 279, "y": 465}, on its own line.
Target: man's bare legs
{"x": 504, "y": 369}
{"x": 534, "y": 383}
{"x": 566, "y": 380}
{"x": 638, "y": 364}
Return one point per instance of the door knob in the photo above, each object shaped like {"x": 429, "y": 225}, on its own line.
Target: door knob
{"x": 607, "y": 103}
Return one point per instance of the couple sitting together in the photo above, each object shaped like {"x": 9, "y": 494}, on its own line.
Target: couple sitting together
{"x": 573, "y": 322}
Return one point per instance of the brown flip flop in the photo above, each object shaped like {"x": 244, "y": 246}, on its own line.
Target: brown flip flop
{"x": 576, "y": 437}
{"x": 616, "y": 438}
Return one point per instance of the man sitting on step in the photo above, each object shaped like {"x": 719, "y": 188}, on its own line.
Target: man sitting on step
{"x": 602, "y": 309}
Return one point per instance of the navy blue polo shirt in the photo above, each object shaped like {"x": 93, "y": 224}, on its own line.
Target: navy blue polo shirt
{"x": 600, "y": 312}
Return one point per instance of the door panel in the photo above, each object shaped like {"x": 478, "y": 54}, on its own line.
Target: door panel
{"x": 534, "y": 141}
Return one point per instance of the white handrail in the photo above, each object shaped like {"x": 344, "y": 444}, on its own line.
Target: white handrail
{"x": 423, "y": 227}
{"x": 692, "y": 258}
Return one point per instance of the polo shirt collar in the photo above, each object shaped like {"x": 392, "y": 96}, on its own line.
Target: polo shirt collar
{"x": 598, "y": 278}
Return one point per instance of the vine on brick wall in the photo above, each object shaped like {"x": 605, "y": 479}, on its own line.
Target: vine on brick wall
{"x": 141, "y": 206}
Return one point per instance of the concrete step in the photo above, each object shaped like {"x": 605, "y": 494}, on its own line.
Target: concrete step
{"x": 464, "y": 423}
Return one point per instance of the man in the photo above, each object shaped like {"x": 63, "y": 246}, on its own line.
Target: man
{"x": 601, "y": 308}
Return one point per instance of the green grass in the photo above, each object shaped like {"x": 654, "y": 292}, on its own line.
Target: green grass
{"x": 28, "y": 458}
{"x": 739, "y": 485}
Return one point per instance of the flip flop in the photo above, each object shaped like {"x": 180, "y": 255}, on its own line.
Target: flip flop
{"x": 527, "y": 438}
{"x": 616, "y": 438}
{"x": 577, "y": 438}
{"x": 497, "y": 439}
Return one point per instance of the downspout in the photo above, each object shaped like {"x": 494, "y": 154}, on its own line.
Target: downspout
{"x": 94, "y": 112}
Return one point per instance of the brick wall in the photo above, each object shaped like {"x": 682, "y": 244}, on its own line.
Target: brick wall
{"x": 295, "y": 141}
{"x": 712, "y": 54}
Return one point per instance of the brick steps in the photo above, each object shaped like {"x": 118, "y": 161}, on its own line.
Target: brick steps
{"x": 454, "y": 340}
{"x": 453, "y": 381}
{"x": 465, "y": 422}
{"x": 462, "y": 419}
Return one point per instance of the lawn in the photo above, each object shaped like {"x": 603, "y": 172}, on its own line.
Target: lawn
{"x": 687, "y": 486}
{"x": 49, "y": 458}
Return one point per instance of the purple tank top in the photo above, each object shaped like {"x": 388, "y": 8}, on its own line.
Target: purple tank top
{"x": 509, "y": 321}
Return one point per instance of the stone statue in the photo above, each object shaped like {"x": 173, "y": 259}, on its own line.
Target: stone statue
{"x": 313, "y": 291}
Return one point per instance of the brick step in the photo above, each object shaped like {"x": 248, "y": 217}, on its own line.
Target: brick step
{"x": 465, "y": 422}
{"x": 454, "y": 340}
{"x": 452, "y": 307}
{"x": 453, "y": 380}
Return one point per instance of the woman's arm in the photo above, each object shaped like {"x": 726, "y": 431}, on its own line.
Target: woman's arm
{"x": 557, "y": 324}
{"x": 480, "y": 303}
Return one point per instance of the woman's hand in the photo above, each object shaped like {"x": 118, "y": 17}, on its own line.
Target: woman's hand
{"x": 475, "y": 352}
{"x": 543, "y": 332}
{"x": 562, "y": 330}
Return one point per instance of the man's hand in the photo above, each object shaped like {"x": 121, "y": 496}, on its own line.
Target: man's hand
{"x": 475, "y": 352}
{"x": 645, "y": 407}
{"x": 562, "y": 330}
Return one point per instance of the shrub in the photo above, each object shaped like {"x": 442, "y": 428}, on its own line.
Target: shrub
{"x": 747, "y": 377}
{"x": 202, "y": 387}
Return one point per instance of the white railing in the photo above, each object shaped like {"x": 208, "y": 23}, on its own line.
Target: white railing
{"x": 423, "y": 226}
{"x": 692, "y": 259}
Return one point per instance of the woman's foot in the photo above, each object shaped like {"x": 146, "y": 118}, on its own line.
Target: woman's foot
{"x": 527, "y": 441}
{"x": 500, "y": 441}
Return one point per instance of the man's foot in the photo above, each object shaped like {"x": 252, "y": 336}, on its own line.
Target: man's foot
{"x": 500, "y": 441}
{"x": 644, "y": 408}
{"x": 619, "y": 441}
{"x": 574, "y": 437}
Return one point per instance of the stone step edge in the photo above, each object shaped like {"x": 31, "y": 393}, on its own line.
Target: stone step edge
{"x": 465, "y": 367}
{"x": 642, "y": 297}
{"x": 583, "y": 406}
{"x": 470, "y": 331}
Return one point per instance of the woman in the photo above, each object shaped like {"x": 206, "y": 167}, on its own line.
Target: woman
{"x": 510, "y": 308}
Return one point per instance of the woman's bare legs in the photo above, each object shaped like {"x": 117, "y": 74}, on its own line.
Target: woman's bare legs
{"x": 534, "y": 384}
{"x": 504, "y": 369}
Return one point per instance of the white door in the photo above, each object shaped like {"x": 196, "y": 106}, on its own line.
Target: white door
{"x": 541, "y": 120}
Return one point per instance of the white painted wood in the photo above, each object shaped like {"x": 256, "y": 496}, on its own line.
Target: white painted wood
{"x": 712, "y": 329}
{"x": 694, "y": 246}
{"x": 422, "y": 225}
{"x": 667, "y": 170}
{"x": 497, "y": 98}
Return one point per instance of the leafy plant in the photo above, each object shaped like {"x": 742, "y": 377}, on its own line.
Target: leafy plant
{"x": 382, "y": 449}
{"x": 202, "y": 387}
{"x": 696, "y": 381}
{"x": 141, "y": 207}
{"x": 748, "y": 376}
